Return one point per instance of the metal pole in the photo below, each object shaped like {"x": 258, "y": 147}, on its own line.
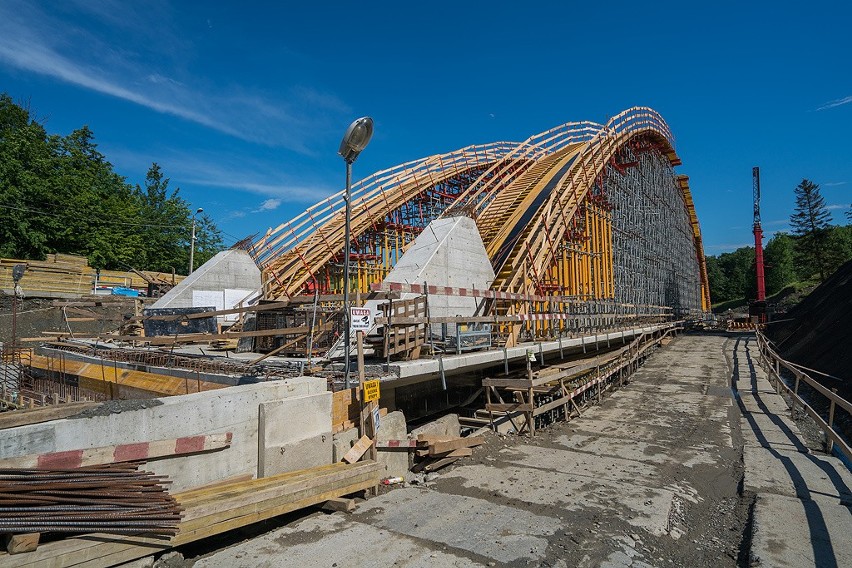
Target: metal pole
{"x": 347, "y": 198}
{"x": 192, "y": 247}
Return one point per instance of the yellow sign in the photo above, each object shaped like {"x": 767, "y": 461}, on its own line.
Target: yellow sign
{"x": 371, "y": 391}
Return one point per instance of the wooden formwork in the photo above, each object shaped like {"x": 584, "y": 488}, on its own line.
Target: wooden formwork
{"x": 404, "y": 339}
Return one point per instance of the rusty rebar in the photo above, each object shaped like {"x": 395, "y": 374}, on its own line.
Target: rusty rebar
{"x": 115, "y": 498}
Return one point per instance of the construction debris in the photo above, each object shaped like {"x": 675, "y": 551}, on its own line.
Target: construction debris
{"x": 437, "y": 451}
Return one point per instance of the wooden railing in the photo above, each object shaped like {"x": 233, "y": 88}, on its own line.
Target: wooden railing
{"x": 772, "y": 362}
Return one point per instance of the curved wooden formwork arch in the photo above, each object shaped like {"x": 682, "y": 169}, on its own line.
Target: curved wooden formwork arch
{"x": 526, "y": 199}
{"x": 291, "y": 254}
{"x": 551, "y": 220}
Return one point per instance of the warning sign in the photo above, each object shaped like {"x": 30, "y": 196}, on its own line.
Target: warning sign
{"x": 371, "y": 391}
{"x": 360, "y": 319}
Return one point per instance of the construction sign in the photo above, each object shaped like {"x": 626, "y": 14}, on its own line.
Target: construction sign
{"x": 371, "y": 391}
{"x": 360, "y": 319}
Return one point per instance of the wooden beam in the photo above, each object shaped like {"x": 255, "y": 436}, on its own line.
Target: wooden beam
{"x": 44, "y": 414}
{"x": 18, "y": 543}
{"x": 450, "y": 445}
{"x": 356, "y": 451}
{"x": 345, "y": 505}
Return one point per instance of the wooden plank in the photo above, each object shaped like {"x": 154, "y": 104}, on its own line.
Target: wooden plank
{"x": 345, "y": 505}
{"x": 357, "y": 450}
{"x": 443, "y": 447}
{"x": 44, "y": 414}
{"x": 18, "y": 543}
{"x": 432, "y": 438}
{"x": 435, "y": 465}
{"x": 457, "y": 453}
{"x": 508, "y": 407}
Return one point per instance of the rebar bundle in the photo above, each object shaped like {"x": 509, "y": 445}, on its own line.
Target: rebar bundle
{"x": 115, "y": 498}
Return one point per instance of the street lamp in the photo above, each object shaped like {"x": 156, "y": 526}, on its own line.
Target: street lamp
{"x": 192, "y": 241}
{"x": 354, "y": 141}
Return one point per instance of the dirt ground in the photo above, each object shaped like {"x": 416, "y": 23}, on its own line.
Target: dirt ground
{"x": 37, "y": 315}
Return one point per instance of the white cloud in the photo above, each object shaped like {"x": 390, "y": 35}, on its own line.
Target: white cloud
{"x": 270, "y": 204}
{"x": 837, "y": 206}
{"x": 833, "y": 183}
{"x": 836, "y": 103}
{"x": 39, "y": 41}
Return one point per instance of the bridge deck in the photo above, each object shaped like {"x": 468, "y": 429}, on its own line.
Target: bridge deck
{"x": 648, "y": 478}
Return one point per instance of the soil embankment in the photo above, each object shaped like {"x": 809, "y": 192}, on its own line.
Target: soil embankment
{"x": 817, "y": 332}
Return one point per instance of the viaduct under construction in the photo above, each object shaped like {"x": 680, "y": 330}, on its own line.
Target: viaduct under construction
{"x": 499, "y": 288}
{"x": 584, "y": 218}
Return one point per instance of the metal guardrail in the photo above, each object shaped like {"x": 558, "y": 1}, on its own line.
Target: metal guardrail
{"x": 772, "y": 362}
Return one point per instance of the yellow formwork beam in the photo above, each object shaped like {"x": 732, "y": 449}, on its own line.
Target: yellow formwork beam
{"x": 111, "y": 380}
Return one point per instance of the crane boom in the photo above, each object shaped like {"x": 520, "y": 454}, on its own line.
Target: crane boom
{"x": 758, "y": 236}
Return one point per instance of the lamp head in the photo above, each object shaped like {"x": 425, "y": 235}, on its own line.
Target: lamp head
{"x": 356, "y": 138}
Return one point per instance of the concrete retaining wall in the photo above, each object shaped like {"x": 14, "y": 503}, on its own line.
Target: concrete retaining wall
{"x": 234, "y": 409}
{"x": 294, "y": 433}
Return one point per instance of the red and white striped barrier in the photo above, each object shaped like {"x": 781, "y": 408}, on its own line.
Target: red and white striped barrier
{"x": 140, "y": 451}
{"x": 396, "y": 444}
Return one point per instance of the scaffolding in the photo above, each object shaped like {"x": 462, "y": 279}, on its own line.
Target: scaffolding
{"x": 589, "y": 219}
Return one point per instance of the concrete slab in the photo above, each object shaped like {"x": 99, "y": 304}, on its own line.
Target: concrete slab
{"x": 812, "y": 533}
{"x": 797, "y": 474}
{"x": 222, "y": 282}
{"x": 446, "y": 426}
{"x": 615, "y": 469}
{"x": 294, "y": 433}
{"x": 342, "y": 442}
{"x": 644, "y": 507}
{"x": 423, "y": 369}
{"x": 765, "y": 430}
{"x": 638, "y": 450}
{"x": 344, "y": 542}
{"x": 393, "y": 427}
{"x": 234, "y": 409}
{"x": 449, "y": 252}
{"x": 499, "y": 532}
{"x": 767, "y": 403}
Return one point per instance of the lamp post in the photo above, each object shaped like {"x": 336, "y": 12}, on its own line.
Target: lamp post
{"x": 192, "y": 241}
{"x": 354, "y": 141}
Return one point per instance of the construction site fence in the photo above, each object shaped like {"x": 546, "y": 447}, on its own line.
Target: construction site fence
{"x": 773, "y": 363}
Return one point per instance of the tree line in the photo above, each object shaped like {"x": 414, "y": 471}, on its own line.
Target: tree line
{"x": 59, "y": 194}
{"x": 811, "y": 252}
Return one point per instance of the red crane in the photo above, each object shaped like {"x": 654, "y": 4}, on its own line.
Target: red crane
{"x": 758, "y": 236}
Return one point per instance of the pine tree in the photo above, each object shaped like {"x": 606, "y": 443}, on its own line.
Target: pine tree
{"x": 810, "y": 222}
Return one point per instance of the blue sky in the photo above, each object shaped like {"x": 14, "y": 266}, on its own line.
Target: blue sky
{"x": 244, "y": 104}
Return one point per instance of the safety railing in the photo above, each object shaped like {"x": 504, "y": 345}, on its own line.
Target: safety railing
{"x": 773, "y": 363}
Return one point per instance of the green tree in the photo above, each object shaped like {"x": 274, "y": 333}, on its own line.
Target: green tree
{"x": 26, "y": 167}
{"x": 717, "y": 280}
{"x": 810, "y": 221}
{"x": 60, "y": 194}
{"x": 168, "y": 228}
{"x": 732, "y": 275}
{"x": 780, "y": 264}
{"x": 838, "y": 247}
